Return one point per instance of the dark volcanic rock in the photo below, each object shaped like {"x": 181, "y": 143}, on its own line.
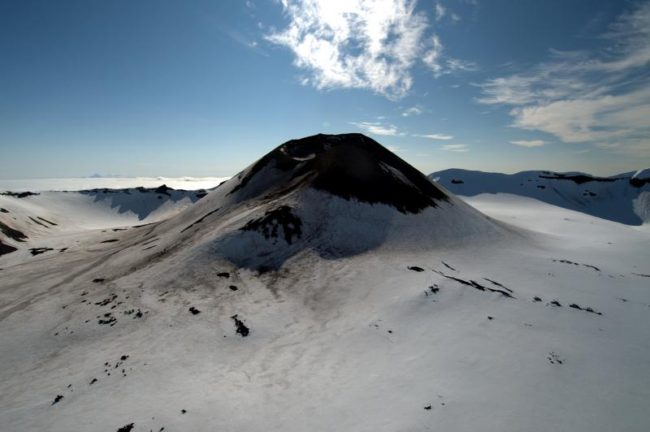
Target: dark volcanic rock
{"x": 240, "y": 327}
{"x": 5, "y": 249}
{"x": 351, "y": 166}
{"x": 12, "y": 233}
{"x": 269, "y": 224}
{"x": 39, "y": 250}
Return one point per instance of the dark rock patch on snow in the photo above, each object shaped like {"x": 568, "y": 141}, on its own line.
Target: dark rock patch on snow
{"x": 39, "y": 250}
{"x": 5, "y": 248}
{"x": 416, "y": 269}
{"x": 12, "y": 233}
{"x": 240, "y": 327}
{"x": 269, "y": 224}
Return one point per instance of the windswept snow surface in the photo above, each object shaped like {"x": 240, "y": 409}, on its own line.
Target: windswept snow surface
{"x": 265, "y": 307}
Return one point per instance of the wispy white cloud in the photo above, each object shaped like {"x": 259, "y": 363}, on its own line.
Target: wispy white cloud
{"x": 440, "y": 11}
{"x": 581, "y": 96}
{"x": 413, "y": 111}
{"x": 458, "y": 148}
{"x": 367, "y": 44}
{"x": 528, "y": 143}
{"x": 439, "y": 137}
{"x": 377, "y": 128}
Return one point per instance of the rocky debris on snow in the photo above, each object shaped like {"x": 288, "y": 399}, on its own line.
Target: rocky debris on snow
{"x": 98, "y": 280}
{"x": 448, "y": 266}
{"x": 107, "y": 319}
{"x": 565, "y": 261}
{"x": 553, "y": 358}
{"x": 432, "y": 290}
{"x": 504, "y": 292}
{"x": 39, "y": 250}
{"x": 12, "y": 233}
{"x": 416, "y": 268}
{"x": 57, "y": 399}
{"x": 223, "y": 275}
{"x": 126, "y": 428}
{"x": 5, "y": 248}
{"x": 198, "y": 221}
{"x": 269, "y": 224}
{"x": 37, "y": 222}
{"x": 194, "y": 310}
{"x": 240, "y": 327}
{"x": 110, "y": 241}
{"x": 587, "y": 309}
{"x": 107, "y": 300}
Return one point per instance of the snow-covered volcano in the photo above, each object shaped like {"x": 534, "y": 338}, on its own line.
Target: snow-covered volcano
{"x": 334, "y": 195}
{"x": 328, "y": 286}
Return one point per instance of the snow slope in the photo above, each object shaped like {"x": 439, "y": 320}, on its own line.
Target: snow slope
{"x": 623, "y": 198}
{"x": 296, "y": 297}
{"x": 34, "y": 220}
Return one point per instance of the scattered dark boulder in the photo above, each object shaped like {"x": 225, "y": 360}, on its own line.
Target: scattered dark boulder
{"x": 57, "y": 399}
{"x": 98, "y": 280}
{"x": 240, "y": 327}
{"x": 555, "y": 303}
{"x": 93, "y": 381}
{"x": 428, "y": 407}
{"x": 233, "y": 288}
{"x": 537, "y": 299}
{"x": 38, "y": 251}
{"x": 416, "y": 268}
{"x": 183, "y": 411}
{"x": 223, "y": 275}
{"x": 3, "y": 210}
{"x": 194, "y": 310}
{"x": 110, "y": 241}
{"x": 126, "y": 428}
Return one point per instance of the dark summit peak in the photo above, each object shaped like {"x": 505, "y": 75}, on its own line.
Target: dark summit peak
{"x": 350, "y": 166}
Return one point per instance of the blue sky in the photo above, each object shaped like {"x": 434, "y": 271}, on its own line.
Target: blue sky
{"x": 203, "y": 88}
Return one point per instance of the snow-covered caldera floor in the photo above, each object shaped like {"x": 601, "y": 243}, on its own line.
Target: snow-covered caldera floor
{"x": 363, "y": 343}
